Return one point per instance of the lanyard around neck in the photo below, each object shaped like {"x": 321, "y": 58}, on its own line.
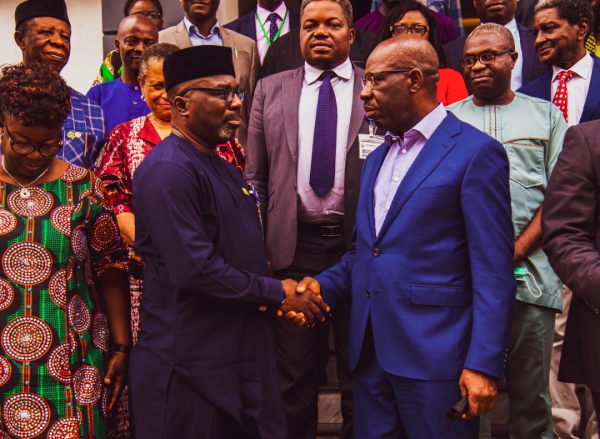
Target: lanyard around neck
{"x": 262, "y": 27}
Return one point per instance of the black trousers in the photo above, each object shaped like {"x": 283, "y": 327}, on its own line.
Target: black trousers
{"x": 302, "y": 353}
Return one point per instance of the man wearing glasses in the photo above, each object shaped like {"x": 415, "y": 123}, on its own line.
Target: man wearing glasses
{"x": 304, "y": 157}
{"x": 532, "y": 132}
{"x": 429, "y": 271}
{"x": 204, "y": 365}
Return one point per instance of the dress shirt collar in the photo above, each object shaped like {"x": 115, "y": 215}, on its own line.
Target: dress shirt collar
{"x": 263, "y": 13}
{"x": 582, "y": 68}
{"x": 426, "y": 126}
{"x": 344, "y": 71}
{"x": 512, "y": 27}
{"x": 215, "y": 30}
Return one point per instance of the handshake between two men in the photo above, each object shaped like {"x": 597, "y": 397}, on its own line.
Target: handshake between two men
{"x": 303, "y": 304}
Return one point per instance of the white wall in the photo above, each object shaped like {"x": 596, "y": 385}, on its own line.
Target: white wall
{"x": 86, "y": 40}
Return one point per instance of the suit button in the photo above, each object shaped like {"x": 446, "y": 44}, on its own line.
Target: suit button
{"x": 376, "y": 252}
{"x": 368, "y": 293}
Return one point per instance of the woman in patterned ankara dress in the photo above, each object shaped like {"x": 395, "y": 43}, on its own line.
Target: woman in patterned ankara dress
{"x": 63, "y": 280}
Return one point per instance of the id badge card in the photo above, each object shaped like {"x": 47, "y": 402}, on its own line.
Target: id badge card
{"x": 367, "y": 144}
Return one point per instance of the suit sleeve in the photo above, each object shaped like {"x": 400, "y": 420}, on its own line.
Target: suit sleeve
{"x": 486, "y": 207}
{"x": 569, "y": 218}
{"x": 256, "y": 172}
{"x": 178, "y": 233}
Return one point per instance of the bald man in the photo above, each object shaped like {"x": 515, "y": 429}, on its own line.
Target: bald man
{"x": 429, "y": 272}
{"x": 121, "y": 99}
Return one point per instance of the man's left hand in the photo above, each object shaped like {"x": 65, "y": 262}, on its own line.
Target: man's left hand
{"x": 481, "y": 389}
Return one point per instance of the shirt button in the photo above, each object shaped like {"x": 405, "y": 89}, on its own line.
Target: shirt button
{"x": 135, "y": 88}
{"x": 396, "y": 179}
{"x": 327, "y": 212}
{"x": 376, "y": 252}
{"x": 368, "y": 293}
{"x": 134, "y": 102}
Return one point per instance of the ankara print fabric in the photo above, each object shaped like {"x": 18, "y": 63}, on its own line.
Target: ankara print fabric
{"x": 54, "y": 332}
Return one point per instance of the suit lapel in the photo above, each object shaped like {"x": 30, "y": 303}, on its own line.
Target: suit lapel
{"x": 358, "y": 110}
{"x": 434, "y": 151}
{"x": 544, "y": 87}
{"x": 181, "y": 36}
{"x": 593, "y": 97}
{"x": 528, "y": 53}
{"x": 290, "y": 99}
{"x": 369, "y": 177}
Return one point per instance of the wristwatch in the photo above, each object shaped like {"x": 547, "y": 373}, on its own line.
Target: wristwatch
{"x": 122, "y": 348}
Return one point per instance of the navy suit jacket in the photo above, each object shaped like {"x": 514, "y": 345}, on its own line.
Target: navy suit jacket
{"x": 246, "y": 24}
{"x": 532, "y": 66}
{"x": 437, "y": 282}
{"x": 540, "y": 88}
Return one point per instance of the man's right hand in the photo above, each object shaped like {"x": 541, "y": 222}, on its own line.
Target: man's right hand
{"x": 310, "y": 305}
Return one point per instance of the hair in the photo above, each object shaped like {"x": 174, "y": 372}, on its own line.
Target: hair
{"x": 495, "y": 29}
{"x": 571, "y": 10}
{"x": 398, "y": 12}
{"x": 129, "y": 4}
{"x": 155, "y": 53}
{"x": 23, "y": 26}
{"x": 344, "y": 4}
{"x": 596, "y": 10}
{"x": 34, "y": 94}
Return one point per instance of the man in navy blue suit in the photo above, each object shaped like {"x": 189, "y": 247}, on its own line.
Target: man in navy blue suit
{"x": 562, "y": 27}
{"x": 270, "y": 20}
{"x": 430, "y": 268}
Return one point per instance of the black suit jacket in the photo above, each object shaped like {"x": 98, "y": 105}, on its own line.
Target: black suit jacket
{"x": 571, "y": 239}
{"x": 246, "y": 24}
{"x": 284, "y": 54}
{"x": 532, "y": 67}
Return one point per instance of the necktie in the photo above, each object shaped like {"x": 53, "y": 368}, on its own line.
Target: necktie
{"x": 273, "y": 28}
{"x": 322, "y": 166}
{"x": 561, "y": 98}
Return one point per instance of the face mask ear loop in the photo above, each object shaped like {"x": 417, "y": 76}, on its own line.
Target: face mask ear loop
{"x": 536, "y": 285}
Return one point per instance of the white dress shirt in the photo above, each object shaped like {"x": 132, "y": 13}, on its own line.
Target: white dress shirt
{"x": 311, "y": 207}
{"x": 263, "y": 14}
{"x": 517, "y": 72}
{"x": 577, "y": 86}
{"x": 213, "y": 38}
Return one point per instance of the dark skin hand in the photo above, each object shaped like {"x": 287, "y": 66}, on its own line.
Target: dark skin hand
{"x": 301, "y": 309}
{"x": 113, "y": 287}
{"x": 530, "y": 239}
{"x": 481, "y": 389}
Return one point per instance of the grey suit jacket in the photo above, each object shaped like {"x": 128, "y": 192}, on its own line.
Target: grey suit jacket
{"x": 272, "y": 156}
{"x": 245, "y": 61}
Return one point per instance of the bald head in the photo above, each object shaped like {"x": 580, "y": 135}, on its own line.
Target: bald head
{"x": 414, "y": 53}
{"x": 136, "y": 33}
{"x": 401, "y": 76}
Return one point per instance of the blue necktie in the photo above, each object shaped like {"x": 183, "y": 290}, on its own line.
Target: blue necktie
{"x": 322, "y": 166}
{"x": 273, "y": 28}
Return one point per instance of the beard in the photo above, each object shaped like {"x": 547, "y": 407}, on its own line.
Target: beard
{"x": 226, "y": 134}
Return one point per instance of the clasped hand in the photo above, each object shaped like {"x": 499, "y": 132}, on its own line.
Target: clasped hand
{"x": 303, "y": 305}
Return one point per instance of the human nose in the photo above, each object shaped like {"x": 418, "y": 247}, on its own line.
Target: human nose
{"x": 236, "y": 102}
{"x": 365, "y": 93}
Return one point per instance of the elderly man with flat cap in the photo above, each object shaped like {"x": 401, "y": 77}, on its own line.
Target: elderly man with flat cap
{"x": 43, "y": 33}
{"x": 204, "y": 366}
{"x": 429, "y": 271}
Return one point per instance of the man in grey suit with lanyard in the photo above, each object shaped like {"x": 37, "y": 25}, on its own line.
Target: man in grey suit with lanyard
{"x": 304, "y": 156}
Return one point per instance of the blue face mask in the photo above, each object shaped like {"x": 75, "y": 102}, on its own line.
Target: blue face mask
{"x": 521, "y": 275}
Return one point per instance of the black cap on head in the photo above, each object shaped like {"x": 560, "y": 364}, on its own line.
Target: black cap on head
{"x": 41, "y": 8}
{"x": 197, "y": 62}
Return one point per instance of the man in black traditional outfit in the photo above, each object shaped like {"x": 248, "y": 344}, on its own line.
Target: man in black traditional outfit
{"x": 204, "y": 365}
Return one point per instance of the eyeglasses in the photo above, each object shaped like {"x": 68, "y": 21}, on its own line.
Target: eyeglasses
{"x": 47, "y": 150}
{"x": 485, "y": 58}
{"x": 417, "y": 29}
{"x": 370, "y": 81}
{"x": 228, "y": 93}
{"x": 150, "y": 15}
